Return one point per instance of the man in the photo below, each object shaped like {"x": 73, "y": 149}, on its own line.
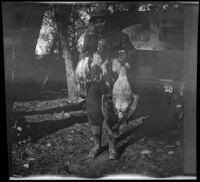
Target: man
{"x": 107, "y": 43}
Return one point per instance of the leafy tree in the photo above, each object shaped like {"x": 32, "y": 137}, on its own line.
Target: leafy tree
{"x": 65, "y": 22}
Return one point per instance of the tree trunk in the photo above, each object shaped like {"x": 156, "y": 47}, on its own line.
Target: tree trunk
{"x": 69, "y": 67}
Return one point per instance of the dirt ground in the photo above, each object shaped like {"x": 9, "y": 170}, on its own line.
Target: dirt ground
{"x": 46, "y": 143}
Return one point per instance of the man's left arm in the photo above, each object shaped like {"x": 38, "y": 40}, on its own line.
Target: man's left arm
{"x": 130, "y": 51}
{"x": 131, "y": 57}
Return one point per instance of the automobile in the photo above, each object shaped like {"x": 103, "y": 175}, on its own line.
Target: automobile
{"x": 157, "y": 75}
{"x": 175, "y": 91}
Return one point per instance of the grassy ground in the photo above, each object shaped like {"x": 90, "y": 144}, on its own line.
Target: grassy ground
{"x": 62, "y": 149}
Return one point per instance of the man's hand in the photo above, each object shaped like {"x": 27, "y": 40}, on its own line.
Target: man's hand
{"x": 38, "y": 57}
{"x": 122, "y": 56}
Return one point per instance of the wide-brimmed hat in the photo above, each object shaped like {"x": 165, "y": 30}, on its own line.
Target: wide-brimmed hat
{"x": 99, "y": 14}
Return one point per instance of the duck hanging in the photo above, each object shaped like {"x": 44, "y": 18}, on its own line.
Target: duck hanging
{"x": 82, "y": 72}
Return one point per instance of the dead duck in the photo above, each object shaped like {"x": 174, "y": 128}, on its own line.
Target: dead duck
{"x": 82, "y": 72}
{"x": 96, "y": 67}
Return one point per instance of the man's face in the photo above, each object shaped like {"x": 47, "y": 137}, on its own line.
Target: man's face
{"x": 99, "y": 25}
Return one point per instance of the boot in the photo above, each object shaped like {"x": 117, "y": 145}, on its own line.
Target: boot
{"x": 112, "y": 147}
{"x": 97, "y": 134}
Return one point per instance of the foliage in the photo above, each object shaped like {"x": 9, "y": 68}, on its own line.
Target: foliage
{"x": 76, "y": 18}
{"x": 47, "y": 34}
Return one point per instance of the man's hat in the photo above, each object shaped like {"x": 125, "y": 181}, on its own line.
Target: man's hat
{"x": 99, "y": 14}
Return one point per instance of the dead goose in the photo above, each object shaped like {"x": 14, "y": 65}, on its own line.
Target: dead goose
{"x": 124, "y": 100}
{"x": 122, "y": 93}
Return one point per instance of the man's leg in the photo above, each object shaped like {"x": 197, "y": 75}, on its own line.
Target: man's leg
{"x": 113, "y": 154}
{"x": 95, "y": 117}
{"x": 97, "y": 136}
{"x": 109, "y": 119}
{"x": 109, "y": 122}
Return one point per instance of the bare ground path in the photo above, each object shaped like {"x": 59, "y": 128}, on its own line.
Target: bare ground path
{"x": 65, "y": 153}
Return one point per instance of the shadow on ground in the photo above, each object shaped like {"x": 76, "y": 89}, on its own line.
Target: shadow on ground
{"x": 36, "y": 131}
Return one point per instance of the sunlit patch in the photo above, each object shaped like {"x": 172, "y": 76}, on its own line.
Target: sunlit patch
{"x": 47, "y": 34}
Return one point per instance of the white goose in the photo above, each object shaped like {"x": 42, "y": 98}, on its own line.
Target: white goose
{"x": 124, "y": 100}
{"x": 122, "y": 94}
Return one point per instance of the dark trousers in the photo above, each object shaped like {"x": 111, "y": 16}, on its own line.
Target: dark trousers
{"x": 94, "y": 95}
